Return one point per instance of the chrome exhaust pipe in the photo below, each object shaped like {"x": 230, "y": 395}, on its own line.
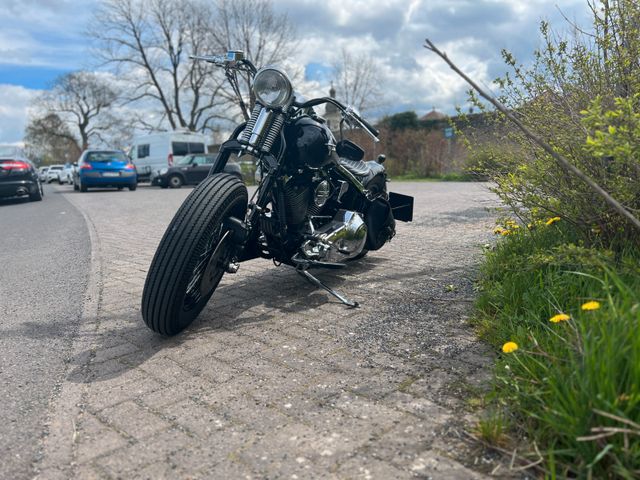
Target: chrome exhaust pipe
{"x": 22, "y": 191}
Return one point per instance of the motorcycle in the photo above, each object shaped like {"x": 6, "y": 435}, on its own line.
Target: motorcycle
{"x": 317, "y": 205}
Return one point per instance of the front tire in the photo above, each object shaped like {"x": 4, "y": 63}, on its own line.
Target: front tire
{"x": 190, "y": 260}
{"x": 175, "y": 181}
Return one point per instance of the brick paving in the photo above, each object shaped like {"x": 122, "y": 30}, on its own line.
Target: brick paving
{"x": 276, "y": 379}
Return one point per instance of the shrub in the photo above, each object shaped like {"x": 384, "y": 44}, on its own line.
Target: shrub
{"x": 580, "y": 96}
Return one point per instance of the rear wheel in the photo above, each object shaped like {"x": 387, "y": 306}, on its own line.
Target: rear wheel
{"x": 75, "y": 185}
{"x": 37, "y": 195}
{"x": 193, "y": 254}
{"x": 83, "y": 187}
{"x": 133, "y": 187}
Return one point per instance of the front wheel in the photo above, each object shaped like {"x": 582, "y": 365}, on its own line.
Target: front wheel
{"x": 192, "y": 255}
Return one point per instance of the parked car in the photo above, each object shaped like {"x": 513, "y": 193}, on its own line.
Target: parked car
{"x": 18, "y": 178}
{"x": 154, "y": 152}
{"x": 53, "y": 174}
{"x": 104, "y": 168}
{"x": 191, "y": 170}
{"x": 66, "y": 174}
{"x": 42, "y": 174}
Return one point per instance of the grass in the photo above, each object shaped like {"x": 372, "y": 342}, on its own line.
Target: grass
{"x": 573, "y": 387}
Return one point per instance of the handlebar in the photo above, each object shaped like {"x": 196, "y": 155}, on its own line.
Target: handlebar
{"x": 350, "y": 112}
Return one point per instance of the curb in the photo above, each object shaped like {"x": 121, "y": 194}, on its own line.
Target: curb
{"x": 66, "y": 405}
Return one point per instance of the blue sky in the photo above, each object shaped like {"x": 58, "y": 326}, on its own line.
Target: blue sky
{"x": 41, "y": 39}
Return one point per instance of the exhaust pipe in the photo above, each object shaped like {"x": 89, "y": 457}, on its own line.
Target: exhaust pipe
{"x": 22, "y": 191}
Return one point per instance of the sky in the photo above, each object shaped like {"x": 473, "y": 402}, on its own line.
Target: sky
{"x": 41, "y": 39}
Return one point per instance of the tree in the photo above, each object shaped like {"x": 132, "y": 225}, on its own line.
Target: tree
{"x": 358, "y": 80}
{"x": 148, "y": 42}
{"x": 49, "y": 138}
{"x": 83, "y": 101}
{"x": 401, "y": 121}
{"x": 267, "y": 38}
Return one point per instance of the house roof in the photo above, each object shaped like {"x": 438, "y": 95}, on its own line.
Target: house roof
{"x": 434, "y": 115}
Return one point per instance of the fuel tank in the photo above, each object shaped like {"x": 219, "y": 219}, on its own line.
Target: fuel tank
{"x": 309, "y": 143}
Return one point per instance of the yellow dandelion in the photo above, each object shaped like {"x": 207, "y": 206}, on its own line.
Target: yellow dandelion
{"x": 592, "y": 305}
{"x": 561, "y": 317}
{"x": 498, "y": 230}
{"x": 509, "y": 347}
{"x": 504, "y": 233}
{"x": 552, "y": 220}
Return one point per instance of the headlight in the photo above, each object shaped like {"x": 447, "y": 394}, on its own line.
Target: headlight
{"x": 272, "y": 87}
{"x": 163, "y": 171}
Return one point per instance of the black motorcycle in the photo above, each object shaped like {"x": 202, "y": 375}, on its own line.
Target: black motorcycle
{"x": 318, "y": 204}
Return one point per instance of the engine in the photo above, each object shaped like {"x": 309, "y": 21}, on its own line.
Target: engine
{"x": 341, "y": 239}
{"x": 328, "y": 233}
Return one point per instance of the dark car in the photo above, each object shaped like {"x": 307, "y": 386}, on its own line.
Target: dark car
{"x": 191, "y": 170}
{"x": 19, "y": 178}
{"x": 104, "y": 168}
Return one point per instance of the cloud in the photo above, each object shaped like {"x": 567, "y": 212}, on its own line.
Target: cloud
{"x": 15, "y": 104}
{"x": 51, "y": 34}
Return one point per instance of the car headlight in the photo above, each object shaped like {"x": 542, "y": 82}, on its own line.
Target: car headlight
{"x": 272, "y": 87}
{"x": 163, "y": 171}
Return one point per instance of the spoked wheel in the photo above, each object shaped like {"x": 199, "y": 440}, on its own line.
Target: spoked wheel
{"x": 193, "y": 255}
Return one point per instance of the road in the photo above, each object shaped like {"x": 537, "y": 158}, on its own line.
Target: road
{"x": 276, "y": 378}
{"x": 44, "y": 262}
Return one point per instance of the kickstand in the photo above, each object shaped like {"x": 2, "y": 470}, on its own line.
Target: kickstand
{"x": 318, "y": 283}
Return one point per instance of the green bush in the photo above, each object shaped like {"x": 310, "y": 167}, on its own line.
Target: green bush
{"x": 581, "y": 97}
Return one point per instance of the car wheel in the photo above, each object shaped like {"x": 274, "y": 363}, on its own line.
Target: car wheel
{"x": 60, "y": 182}
{"x": 133, "y": 187}
{"x": 120, "y": 188}
{"x": 175, "y": 181}
{"x": 37, "y": 195}
{"x": 83, "y": 188}
{"x": 75, "y": 186}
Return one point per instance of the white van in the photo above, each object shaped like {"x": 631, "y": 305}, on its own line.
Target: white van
{"x": 153, "y": 152}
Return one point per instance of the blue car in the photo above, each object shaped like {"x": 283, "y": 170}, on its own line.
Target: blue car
{"x": 104, "y": 168}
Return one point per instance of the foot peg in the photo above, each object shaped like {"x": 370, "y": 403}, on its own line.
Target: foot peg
{"x": 313, "y": 280}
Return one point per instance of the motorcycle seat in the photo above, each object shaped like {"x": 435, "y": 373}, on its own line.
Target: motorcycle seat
{"x": 365, "y": 171}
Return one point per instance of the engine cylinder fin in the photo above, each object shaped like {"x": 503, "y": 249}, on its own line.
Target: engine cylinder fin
{"x": 297, "y": 200}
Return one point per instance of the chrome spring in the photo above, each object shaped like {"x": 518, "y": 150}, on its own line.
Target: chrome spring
{"x": 246, "y": 133}
{"x": 274, "y": 131}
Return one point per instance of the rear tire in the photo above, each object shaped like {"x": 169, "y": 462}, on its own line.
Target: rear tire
{"x": 83, "y": 188}
{"x": 189, "y": 262}
{"x": 37, "y": 196}
{"x": 132, "y": 187}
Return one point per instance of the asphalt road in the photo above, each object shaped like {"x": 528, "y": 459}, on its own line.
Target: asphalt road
{"x": 44, "y": 264}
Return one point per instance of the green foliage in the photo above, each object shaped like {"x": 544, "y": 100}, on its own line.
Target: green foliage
{"x": 568, "y": 380}
{"x": 581, "y": 97}
{"x": 401, "y": 121}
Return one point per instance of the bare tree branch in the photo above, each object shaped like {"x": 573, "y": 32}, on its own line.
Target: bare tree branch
{"x": 562, "y": 162}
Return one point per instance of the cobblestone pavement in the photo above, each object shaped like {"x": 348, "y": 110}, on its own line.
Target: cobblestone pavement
{"x": 276, "y": 379}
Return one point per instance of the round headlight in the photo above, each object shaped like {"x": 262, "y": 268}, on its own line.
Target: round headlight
{"x": 272, "y": 87}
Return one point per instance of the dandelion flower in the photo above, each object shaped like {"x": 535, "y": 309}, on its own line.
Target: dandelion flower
{"x": 509, "y": 347}
{"x": 592, "y": 305}
{"x": 498, "y": 230}
{"x": 561, "y": 317}
{"x": 552, "y": 220}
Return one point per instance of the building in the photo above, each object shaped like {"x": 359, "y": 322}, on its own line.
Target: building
{"x": 331, "y": 113}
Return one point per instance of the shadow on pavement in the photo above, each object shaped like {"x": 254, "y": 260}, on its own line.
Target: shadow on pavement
{"x": 124, "y": 342}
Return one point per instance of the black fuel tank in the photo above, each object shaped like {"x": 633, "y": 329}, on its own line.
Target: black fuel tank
{"x": 309, "y": 143}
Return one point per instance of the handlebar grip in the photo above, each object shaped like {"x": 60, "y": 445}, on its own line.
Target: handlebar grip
{"x": 368, "y": 125}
